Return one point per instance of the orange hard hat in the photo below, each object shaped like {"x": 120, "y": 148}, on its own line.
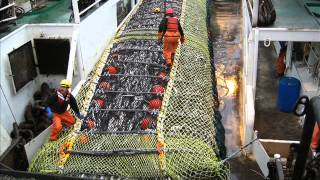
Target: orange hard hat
{"x": 155, "y": 104}
{"x": 169, "y": 11}
{"x": 145, "y": 123}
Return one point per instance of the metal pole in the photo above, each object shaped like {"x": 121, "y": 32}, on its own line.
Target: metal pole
{"x": 288, "y": 55}
{"x": 76, "y": 13}
{"x": 280, "y": 174}
{"x": 312, "y": 116}
{"x": 237, "y": 152}
{"x": 80, "y": 61}
{"x": 135, "y": 75}
{"x": 139, "y": 62}
{"x": 255, "y": 60}
{"x": 137, "y": 49}
{"x": 7, "y": 6}
{"x": 72, "y": 54}
{"x": 87, "y": 8}
{"x": 125, "y": 132}
{"x": 126, "y": 110}
{"x": 120, "y": 152}
{"x": 131, "y": 92}
{"x": 255, "y": 13}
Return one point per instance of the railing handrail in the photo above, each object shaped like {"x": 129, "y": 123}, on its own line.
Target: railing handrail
{"x": 89, "y": 7}
{"x": 7, "y": 6}
{"x": 8, "y": 19}
{"x": 76, "y": 12}
{"x": 250, "y": 6}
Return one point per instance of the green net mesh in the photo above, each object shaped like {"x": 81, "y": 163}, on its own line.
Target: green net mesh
{"x": 183, "y": 144}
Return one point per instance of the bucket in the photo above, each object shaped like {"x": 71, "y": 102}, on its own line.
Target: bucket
{"x": 288, "y": 93}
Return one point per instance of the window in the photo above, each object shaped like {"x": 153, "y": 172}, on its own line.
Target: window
{"x": 22, "y": 65}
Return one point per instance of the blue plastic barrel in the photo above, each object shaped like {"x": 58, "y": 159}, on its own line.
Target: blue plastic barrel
{"x": 288, "y": 93}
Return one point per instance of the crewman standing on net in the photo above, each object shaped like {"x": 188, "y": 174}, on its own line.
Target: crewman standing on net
{"x": 170, "y": 29}
{"x": 58, "y": 103}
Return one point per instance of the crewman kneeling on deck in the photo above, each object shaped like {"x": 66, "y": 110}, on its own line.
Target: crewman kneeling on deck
{"x": 171, "y": 30}
{"x": 58, "y": 103}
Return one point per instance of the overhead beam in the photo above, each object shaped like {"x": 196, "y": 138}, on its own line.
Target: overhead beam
{"x": 285, "y": 34}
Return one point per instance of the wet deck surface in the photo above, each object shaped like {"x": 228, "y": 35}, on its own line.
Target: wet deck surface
{"x": 226, "y": 24}
{"x": 270, "y": 122}
{"x": 51, "y": 12}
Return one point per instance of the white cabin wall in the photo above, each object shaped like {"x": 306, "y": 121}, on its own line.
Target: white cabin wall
{"x": 52, "y": 31}
{"x": 4, "y": 139}
{"x": 14, "y": 101}
{"x": 96, "y": 31}
{"x": 13, "y": 104}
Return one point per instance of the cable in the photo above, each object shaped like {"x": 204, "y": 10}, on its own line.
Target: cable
{"x": 8, "y": 104}
{"x": 235, "y": 153}
{"x": 257, "y": 173}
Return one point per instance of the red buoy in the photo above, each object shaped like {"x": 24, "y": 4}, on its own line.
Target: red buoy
{"x": 90, "y": 124}
{"x": 145, "y": 123}
{"x": 158, "y": 89}
{"x": 105, "y": 85}
{"x": 162, "y": 75}
{"x": 115, "y": 56}
{"x": 155, "y": 104}
{"x": 112, "y": 70}
{"x": 101, "y": 103}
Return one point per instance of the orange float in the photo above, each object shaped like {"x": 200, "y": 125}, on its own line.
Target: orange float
{"x": 155, "y": 104}
{"x": 158, "y": 89}
{"x": 112, "y": 70}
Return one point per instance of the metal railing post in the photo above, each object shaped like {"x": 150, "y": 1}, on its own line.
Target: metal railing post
{"x": 255, "y": 13}
{"x": 72, "y": 54}
{"x": 76, "y": 13}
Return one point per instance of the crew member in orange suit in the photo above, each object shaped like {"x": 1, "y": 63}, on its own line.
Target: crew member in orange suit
{"x": 170, "y": 30}
{"x": 280, "y": 63}
{"x": 58, "y": 103}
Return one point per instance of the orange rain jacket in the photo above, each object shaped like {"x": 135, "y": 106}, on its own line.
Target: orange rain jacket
{"x": 59, "y": 102}
{"x": 171, "y": 30}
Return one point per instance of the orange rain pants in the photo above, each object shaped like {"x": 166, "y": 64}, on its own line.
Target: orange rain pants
{"x": 281, "y": 67}
{"x": 65, "y": 117}
{"x": 171, "y": 39}
{"x": 315, "y": 137}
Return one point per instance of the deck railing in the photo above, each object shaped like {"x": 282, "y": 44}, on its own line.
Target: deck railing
{"x": 77, "y": 14}
{"x": 12, "y": 13}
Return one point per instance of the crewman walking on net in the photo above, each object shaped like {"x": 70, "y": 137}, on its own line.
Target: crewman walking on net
{"x": 170, "y": 29}
{"x": 58, "y": 103}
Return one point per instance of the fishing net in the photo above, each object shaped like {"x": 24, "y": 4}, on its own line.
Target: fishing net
{"x": 132, "y": 127}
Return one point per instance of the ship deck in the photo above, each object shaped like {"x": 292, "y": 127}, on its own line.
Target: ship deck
{"x": 269, "y": 121}
{"x": 292, "y": 14}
